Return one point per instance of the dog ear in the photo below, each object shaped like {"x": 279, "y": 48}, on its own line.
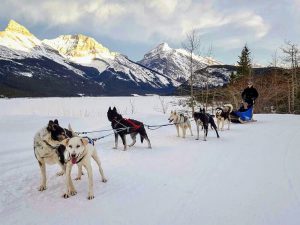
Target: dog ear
{"x": 84, "y": 141}
{"x": 114, "y": 109}
{"x": 65, "y": 142}
{"x": 56, "y": 121}
{"x": 50, "y": 125}
{"x": 109, "y": 109}
{"x": 73, "y": 133}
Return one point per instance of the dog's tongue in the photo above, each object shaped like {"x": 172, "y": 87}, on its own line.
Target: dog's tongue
{"x": 74, "y": 160}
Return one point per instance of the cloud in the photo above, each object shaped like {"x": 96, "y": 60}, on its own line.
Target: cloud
{"x": 250, "y": 20}
{"x": 60, "y": 12}
{"x": 132, "y": 20}
{"x": 162, "y": 7}
{"x": 297, "y": 3}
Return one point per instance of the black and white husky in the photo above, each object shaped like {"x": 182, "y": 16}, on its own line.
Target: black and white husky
{"x": 48, "y": 149}
{"x": 124, "y": 126}
{"x": 180, "y": 121}
{"x": 223, "y": 114}
{"x": 203, "y": 119}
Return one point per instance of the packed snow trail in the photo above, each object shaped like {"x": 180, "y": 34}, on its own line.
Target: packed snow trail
{"x": 250, "y": 176}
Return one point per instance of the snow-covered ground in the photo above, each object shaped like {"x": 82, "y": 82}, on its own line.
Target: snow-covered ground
{"x": 250, "y": 176}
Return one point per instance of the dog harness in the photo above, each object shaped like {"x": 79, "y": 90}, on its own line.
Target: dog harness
{"x": 53, "y": 147}
{"x": 91, "y": 141}
{"x": 135, "y": 127}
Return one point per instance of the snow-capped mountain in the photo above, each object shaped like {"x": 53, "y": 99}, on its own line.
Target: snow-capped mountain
{"x": 87, "y": 51}
{"x": 82, "y": 50}
{"x": 174, "y": 62}
{"x": 70, "y": 65}
{"x": 16, "y": 42}
{"x": 18, "y": 37}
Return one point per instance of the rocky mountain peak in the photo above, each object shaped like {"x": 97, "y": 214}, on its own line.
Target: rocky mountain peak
{"x": 163, "y": 47}
{"x": 79, "y": 45}
{"x": 15, "y": 27}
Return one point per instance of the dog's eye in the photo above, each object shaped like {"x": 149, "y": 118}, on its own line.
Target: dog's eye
{"x": 70, "y": 146}
{"x": 77, "y": 146}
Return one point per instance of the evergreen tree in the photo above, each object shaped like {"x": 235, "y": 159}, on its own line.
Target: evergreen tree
{"x": 233, "y": 76}
{"x": 244, "y": 63}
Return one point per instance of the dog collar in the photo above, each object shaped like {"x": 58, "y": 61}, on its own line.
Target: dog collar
{"x": 80, "y": 159}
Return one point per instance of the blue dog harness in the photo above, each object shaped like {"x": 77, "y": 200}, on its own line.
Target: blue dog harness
{"x": 91, "y": 141}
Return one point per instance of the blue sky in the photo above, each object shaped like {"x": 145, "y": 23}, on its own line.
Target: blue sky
{"x": 134, "y": 27}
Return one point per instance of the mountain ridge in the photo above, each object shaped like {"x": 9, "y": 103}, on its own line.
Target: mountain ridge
{"x": 25, "y": 57}
{"x": 174, "y": 62}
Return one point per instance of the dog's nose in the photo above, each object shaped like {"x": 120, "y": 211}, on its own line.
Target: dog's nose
{"x": 73, "y": 155}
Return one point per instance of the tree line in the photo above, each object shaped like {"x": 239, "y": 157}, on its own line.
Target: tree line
{"x": 278, "y": 83}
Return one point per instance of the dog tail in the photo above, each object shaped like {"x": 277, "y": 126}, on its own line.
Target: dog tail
{"x": 230, "y": 106}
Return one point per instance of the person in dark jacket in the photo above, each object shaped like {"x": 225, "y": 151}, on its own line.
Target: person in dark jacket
{"x": 250, "y": 94}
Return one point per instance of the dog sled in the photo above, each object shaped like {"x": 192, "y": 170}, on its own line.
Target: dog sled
{"x": 242, "y": 116}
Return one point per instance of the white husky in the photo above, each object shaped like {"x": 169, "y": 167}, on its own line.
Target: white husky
{"x": 181, "y": 121}
{"x": 80, "y": 151}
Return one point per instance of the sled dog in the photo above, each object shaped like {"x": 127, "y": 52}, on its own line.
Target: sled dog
{"x": 48, "y": 149}
{"x": 180, "y": 121}
{"x": 80, "y": 151}
{"x": 202, "y": 118}
{"x": 124, "y": 126}
{"x": 223, "y": 114}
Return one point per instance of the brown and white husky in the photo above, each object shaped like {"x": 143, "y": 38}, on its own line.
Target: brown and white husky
{"x": 180, "y": 121}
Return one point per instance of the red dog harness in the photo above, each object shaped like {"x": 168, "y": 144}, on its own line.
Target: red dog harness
{"x": 135, "y": 127}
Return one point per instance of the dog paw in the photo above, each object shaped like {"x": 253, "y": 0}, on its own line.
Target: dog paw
{"x": 90, "y": 197}
{"x": 104, "y": 180}
{"x": 197, "y": 139}
{"x": 73, "y": 192}
{"x": 66, "y": 195}
{"x": 114, "y": 147}
{"x": 42, "y": 188}
{"x": 77, "y": 178}
{"x": 60, "y": 173}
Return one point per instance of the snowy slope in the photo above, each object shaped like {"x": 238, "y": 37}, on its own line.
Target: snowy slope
{"x": 249, "y": 176}
{"x": 215, "y": 76}
{"x": 174, "y": 62}
{"x": 88, "y": 52}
